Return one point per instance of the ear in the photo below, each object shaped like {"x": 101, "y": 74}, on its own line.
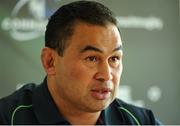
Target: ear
{"x": 48, "y": 59}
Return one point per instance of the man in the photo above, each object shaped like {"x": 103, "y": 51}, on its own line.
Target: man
{"x": 83, "y": 61}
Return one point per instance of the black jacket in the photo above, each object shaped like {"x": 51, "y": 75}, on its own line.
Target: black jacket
{"x": 33, "y": 104}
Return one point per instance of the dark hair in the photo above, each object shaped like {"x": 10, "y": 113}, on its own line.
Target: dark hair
{"x": 60, "y": 25}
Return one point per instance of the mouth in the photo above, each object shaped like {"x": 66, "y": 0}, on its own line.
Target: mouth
{"x": 101, "y": 94}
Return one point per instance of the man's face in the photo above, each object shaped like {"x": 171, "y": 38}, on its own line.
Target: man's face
{"x": 88, "y": 75}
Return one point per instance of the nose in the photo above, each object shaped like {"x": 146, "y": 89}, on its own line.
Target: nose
{"x": 104, "y": 72}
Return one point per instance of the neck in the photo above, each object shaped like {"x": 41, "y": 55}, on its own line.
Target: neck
{"x": 72, "y": 114}
{"x": 80, "y": 118}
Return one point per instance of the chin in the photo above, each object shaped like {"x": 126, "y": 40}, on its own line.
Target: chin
{"x": 96, "y": 107}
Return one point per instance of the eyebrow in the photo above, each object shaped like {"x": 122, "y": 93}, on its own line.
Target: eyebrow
{"x": 92, "y": 48}
{"x": 119, "y": 48}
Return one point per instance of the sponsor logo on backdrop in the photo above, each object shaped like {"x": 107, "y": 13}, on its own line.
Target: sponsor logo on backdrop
{"x": 31, "y": 24}
{"x": 28, "y": 19}
{"x": 147, "y": 23}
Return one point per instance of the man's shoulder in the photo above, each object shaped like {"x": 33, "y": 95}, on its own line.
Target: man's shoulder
{"x": 137, "y": 109}
{"x": 131, "y": 114}
{"x": 22, "y": 96}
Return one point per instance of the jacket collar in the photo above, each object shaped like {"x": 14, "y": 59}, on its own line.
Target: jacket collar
{"x": 113, "y": 115}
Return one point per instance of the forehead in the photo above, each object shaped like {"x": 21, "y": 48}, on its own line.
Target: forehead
{"x": 102, "y": 37}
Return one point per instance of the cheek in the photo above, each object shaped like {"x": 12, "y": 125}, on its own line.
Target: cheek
{"x": 75, "y": 72}
{"x": 78, "y": 72}
{"x": 117, "y": 75}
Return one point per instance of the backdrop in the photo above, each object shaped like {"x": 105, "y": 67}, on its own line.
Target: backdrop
{"x": 150, "y": 33}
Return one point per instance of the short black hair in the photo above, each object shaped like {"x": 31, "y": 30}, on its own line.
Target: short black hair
{"x": 60, "y": 25}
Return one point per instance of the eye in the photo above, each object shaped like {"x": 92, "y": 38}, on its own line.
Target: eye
{"x": 91, "y": 58}
{"x": 114, "y": 59}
